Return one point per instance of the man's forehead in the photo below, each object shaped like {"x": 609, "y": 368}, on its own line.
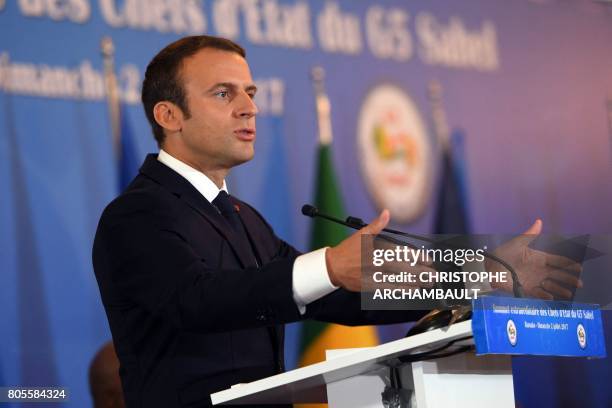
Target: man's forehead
{"x": 213, "y": 65}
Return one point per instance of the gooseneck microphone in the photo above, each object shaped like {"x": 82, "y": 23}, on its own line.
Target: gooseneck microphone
{"x": 351, "y": 222}
{"x": 357, "y": 224}
{"x": 312, "y": 212}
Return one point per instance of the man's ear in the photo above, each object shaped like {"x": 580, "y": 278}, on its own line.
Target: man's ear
{"x": 168, "y": 116}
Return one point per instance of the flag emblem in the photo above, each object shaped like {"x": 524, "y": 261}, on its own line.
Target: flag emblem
{"x": 581, "y": 334}
{"x": 395, "y": 152}
{"x": 511, "y": 332}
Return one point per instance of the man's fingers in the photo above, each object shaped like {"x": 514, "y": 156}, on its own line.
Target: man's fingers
{"x": 565, "y": 278}
{"x": 535, "y": 228}
{"x": 376, "y": 226}
{"x": 563, "y": 262}
{"x": 540, "y": 293}
{"x": 556, "y": 290}
{"x": 426, "y": 260}
{"x": 398, "y": 267}
{"x": 533, "y": 231}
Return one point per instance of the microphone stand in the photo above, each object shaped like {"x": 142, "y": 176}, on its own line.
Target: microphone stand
{"x": 358, "y": 223}
{"x": 436, "y": 318}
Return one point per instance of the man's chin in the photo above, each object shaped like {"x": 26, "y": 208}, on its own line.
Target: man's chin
{"x": 247, "y": 157}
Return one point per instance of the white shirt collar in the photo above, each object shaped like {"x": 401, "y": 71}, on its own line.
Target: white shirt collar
{"x": 199, "y": 180}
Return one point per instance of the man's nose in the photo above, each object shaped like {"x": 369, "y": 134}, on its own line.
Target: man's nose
{"x": 245, "y": 106}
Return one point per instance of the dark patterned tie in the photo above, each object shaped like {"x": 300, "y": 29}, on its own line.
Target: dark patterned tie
{"x": 230, "y": 213}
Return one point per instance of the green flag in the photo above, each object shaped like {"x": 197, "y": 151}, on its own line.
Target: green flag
{"x": 318, "y": 336}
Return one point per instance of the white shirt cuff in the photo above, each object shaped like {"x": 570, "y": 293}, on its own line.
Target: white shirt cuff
{"x": 310, "y": 278}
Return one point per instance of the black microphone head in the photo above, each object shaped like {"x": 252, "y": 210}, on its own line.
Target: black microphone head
{"x": 355, "y": 222}
{"x": 309, "y": 210}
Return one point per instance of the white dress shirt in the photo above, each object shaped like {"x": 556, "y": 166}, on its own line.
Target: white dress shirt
{"x": 310, "y": 276}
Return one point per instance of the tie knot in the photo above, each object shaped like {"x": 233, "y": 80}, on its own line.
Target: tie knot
{"x": 223, "y": 203}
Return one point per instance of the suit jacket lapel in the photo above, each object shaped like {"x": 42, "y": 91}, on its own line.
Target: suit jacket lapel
{"x": 180, "y": 187}
{"x": 250, "y": 226}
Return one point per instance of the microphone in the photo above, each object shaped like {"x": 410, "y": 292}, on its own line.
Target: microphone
{"x": 357, "y": 224}
{"x": 351, "y": 222}
{"x": 312, "y": 212}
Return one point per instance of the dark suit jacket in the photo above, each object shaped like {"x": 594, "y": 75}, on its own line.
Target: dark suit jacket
{"x": 189, "y": 313}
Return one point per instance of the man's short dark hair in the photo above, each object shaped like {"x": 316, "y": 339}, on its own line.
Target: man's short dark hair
{"x": 162, "y": 81}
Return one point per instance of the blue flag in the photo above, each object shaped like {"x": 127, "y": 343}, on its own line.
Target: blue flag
{"x": 128, "y": 158}
{"x": 452, "y": 215}
{"x": 274, "y": 202}
{"x": 37, "y": 351}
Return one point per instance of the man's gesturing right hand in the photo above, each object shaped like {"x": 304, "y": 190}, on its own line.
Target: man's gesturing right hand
{"x": 344, "y": 260}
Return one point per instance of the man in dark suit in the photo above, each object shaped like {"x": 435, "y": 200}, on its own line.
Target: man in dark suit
{"x": 195, "y": 283}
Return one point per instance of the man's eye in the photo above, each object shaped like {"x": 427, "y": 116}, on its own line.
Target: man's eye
{"x": 222, "y": 94}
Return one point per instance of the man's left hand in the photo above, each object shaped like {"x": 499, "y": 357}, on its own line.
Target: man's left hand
{"x": 542, "y": 275}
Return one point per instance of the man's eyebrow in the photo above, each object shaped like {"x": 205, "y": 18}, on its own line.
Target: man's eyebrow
{"x": 230, "y": 85}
